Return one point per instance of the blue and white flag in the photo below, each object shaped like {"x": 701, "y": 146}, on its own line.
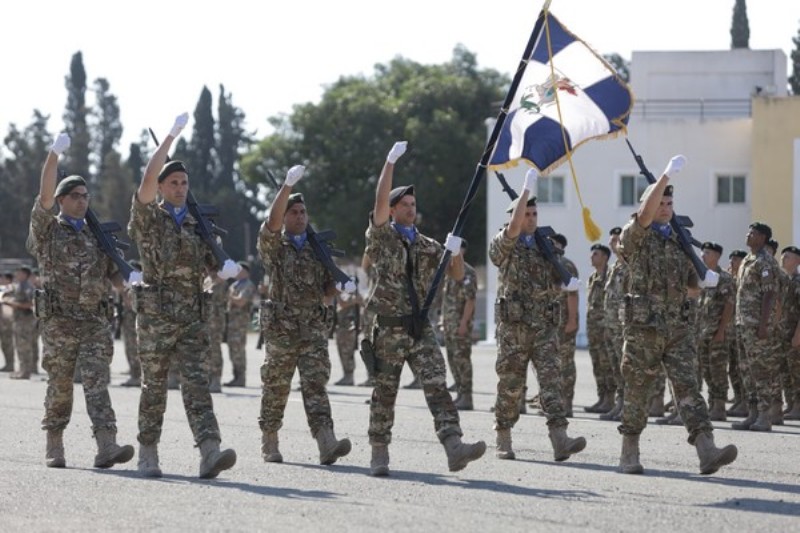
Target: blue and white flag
{"x": 594, "y": 102}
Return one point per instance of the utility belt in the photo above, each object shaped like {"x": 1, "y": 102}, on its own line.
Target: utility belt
{"x": 528, "y": 311}
{"x": 641, "y": 310}
{"x": 49, "y": 304}
{"x": 271, "y": 311}
{"x": 182, "y": 305}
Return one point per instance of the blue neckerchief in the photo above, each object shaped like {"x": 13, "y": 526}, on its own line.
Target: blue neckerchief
{"x": 177, "y": 213}
{"x": 662, "y": 229}
{"x": 76, "y": 223}
{"x": 528, "y": 240}
{"x": 409, "y": 232}
{"x": 298, "y": 240}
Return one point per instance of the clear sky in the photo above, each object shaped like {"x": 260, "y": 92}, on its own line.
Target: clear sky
{"x": 157, "y": 55}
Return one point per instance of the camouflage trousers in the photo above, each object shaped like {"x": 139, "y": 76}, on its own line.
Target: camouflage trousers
{"x": 601, "y": 359}
{"x": 734, "y": 375}
{"x": 759, "y": 365}
{"x": 646, "y": 349}
{"x": 7, "y": 340}
{"x": 25, "y": 336}
{"x": 613, "y": 340}
{"x": 346, "y": 346}
{"x": 712, "y": 358}
{"x": 569, "y": 373}
{"x": 304, "y": 349}
{"x": 237, "y": 346}
{"x": 86, "y": 343}
{"x": 129, "y": 338}
{"x": 790, "y": 370}
{"x": 459, "y": 358}
{"x": 215, "y": 351}
{"x": 519, "y": 344}
{"x": 165, "y": 341}
{"x": 394, "y": 347}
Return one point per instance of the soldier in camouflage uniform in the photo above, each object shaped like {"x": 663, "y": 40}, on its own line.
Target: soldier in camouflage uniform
{"x": 348, "y": 309}
{"x": 7, "y": 323}
{"x": 596, "y": 330}
{"x": 293, "y": 319}
{"x": 567, "y": 331}
{"x": 715, "y": 311}
{"x": 128, "y": 327}
{"x": 217, "y": 291}
{"x": 75, "y": 312}
{"x": 612, "y": 307}
{"x": 528, "y": 317}
{"x": 171, "y": 320}
{"x": 240, "y": 303}
{"x": 740, "y": 402}
{"x": 657, "y": 328}
{"x": 757, "y": 305}
{"x": 458, "y": 312}
{"x": 368, "y": 315}
{"x": 23, "y": 321}
{"x": 789, "y": 348}
{"x": 405, "y": 261}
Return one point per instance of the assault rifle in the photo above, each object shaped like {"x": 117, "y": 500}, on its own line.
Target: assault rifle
{"x": 542, "y": 237}
{"x": 678, "y": 223}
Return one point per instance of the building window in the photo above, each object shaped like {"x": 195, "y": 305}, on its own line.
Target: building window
{"x": 730, "y": 189}
{"x": 550, "y": 190}
{"x": 631, "y": 189}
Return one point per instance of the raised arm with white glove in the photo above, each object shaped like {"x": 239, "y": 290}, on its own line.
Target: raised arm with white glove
{"x": 397, "y": 150}
{"x": 294, "y": 174}
{"x": 60, "y": 144}
{"x": 180, "y": 123}
{"x": 674, "y": 166}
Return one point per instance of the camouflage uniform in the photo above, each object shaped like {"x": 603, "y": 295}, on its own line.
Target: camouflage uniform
{"x": 239, "y": 323}
{"x": 170, "y": 321}
{"x": 613, "y": 310}
{"x": 346, "y": 333}
{"x": 216, "y": 321}
{"x": 293, "y": 319}
{"x": 790, "y": 357}
{"x": 528, "y": 317}
{"x": 713, "y": 356}
{"x": 758, "y": 275}
{"x": 657, "y": 329}
{"x": 596, "y": 332}
{"x": 24, "y": 328}
{"x": 455, "y": 295}
{"x": 391, "y": 303}
{"x": 129, "y": 334}
{"x": 7, "y": 329}
{"x": 566, "y": 341}
{"x": 75, "y": 317}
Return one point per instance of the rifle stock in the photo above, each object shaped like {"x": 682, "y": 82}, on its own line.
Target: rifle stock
{"x": 109, "y": 243}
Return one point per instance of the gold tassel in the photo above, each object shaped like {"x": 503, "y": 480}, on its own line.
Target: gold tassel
{"x": 593, "y": 232}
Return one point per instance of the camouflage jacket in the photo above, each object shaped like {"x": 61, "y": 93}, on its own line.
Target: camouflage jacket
{"x": 758, "y": 275}
{"x": 614, "y": 294}
{"x": 455, "y": 296}
{"x": 595, "y": 312}
{"x": 712, "y": 302}
{"x": 173, "y": 258}
{"x": 790, "y": 302}
{"x": 74, "y": 269}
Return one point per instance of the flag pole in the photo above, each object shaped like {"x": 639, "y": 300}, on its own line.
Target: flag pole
{"x": 480, "y": 171}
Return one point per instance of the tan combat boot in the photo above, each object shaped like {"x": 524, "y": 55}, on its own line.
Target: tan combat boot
{"x": 504, "y": 450}
{"x": 564, "y": 446}
{"x": 460, "y": 454}
{"x": 763, "y": 421}
{"x": 464, "y": 402}
{"x": 109, "y": 452}
{"x": 717, "y": 411}
{"x": 379, "y": 464}
{"x": 629, "y": 459}
{"x": 615, "y": 411}
{"x": 608, "y": 402}
{"x": 54, "y": 455}
{"x": 269, "y": 447}
{"x": 213, "y": 461}
{"x": 711, "y": 457}
{"x": 331, "y": 449}
{"x": 747, "y": 422}
{"x": 148, "y": 460}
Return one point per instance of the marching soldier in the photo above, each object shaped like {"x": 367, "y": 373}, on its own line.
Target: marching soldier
{"x": 23, "y": 321}
{"x": 596, "y": 330}
{"x": 348, "y": 309}
{"x": 789, "y": 349}
{"x": 612, "y": 305}
{"x": 240, "y": 303}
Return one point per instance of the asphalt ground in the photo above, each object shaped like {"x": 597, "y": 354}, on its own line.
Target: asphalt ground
{"x": 759, "y": 492}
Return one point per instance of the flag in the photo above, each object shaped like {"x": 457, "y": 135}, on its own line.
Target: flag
{"x": 564, "y": 82}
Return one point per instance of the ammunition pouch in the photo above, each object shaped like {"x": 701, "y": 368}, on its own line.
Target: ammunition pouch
{"x": 512, "y": 310}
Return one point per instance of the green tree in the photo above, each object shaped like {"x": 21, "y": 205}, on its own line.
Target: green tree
{"x": 76, "y": 160}
{"x": 106, "y": 129}
{"x": 199, "y": 151}
{"x": 740, "y": 27}
{"x": 794, "y": 79}
{"x": 621, "y": 65}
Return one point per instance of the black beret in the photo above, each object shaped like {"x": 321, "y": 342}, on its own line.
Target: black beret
{"x": 295, "y": 198}
{"x": 560, "y": 239}
{"x": 616, "y": 230}
{"x": 513, "y": 204}
{"x": 668, "y": 191}
{"x": 67, "y": 184}
{"x": 772, "y": 243}
{"x": 741, "y": 254}
{"x": 602, "y": 247}
{"x": 791, "y": 249}
{"x": 708, "y": 245}
{"x": 763, "y": 229}
{"x": 399, "y": 192}
{"x": 244, "y": 264}
{"x": 169, "y": 168}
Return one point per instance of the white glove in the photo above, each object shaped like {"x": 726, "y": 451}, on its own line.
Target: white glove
{"x": 453, "y": 244}
{"x": 294, "y": 174}
{"x": 134, "y": 278}
{"x": 572, "y": 286}
{"x": 711, "y": 280}
{"x": 60, "y": 144}
{"x": 230, "y": 269}
{"x": 674, "y": 166}
{"x": 397, "y": 150}
{"x": 531, "y": 178}
{"x": 348, "y": 287}
{"x": 180, "y": 123}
